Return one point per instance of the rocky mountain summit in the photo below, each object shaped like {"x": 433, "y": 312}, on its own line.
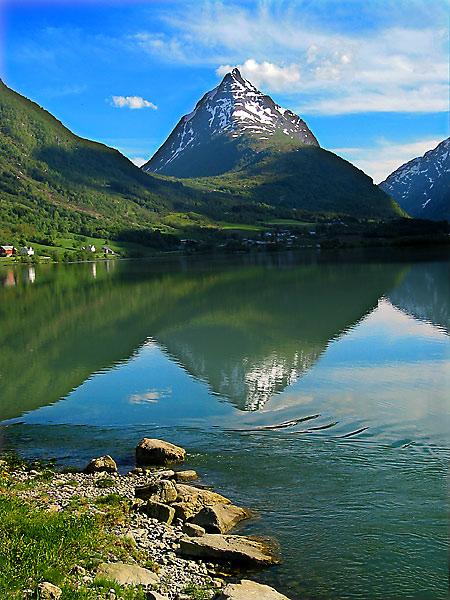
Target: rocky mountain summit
{"x": 240, "y": 145}
{"x": 233, "y": 109}
{"x": 422, "y": 185}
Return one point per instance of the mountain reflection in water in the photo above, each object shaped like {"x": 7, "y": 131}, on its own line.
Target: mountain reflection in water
{"x": 249, "y": 326}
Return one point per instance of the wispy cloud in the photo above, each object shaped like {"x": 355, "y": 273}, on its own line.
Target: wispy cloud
{"x": 149, "y": 396}
{"x": 325, "y": 68}
{"x": 265, "y": 74}
{"x": 384, "y": 157}
{"x": 139, "y": 161}
{"x": 133, "y": 102}
{"x": 64, "y": 90}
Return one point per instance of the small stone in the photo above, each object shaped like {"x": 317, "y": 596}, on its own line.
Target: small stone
{"x": 166, "y": 474}
{"x": 193, "y": 530}
{"x": 101, "y": 464}
{"x": 156, "y": 596}
{"x": 185, "y": 476}
{"x": 48, "y": 591}
{"x": 78, "y": 570}
{"x": 136, "y": 471}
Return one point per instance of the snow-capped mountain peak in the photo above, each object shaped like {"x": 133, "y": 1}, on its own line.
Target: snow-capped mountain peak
{"x": 232, "y": 109}
{"x": 421, "y": 186}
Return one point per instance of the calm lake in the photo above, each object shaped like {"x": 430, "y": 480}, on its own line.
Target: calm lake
{"x": 312, "y": 388}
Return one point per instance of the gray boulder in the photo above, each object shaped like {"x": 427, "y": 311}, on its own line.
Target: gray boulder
{"x": 185, "y": 476}
{"x": 191, "y": 500}
{"x": 102, "y": 463}
{"x": 158, "y": 452}
{"x": 163, "y": 490}
{"x": 234, "y": 548}
{"x": 193, "y": 530}
{"x": 159, "y": 511}
{"x": 124, "y": 574}
{"x": 250, "y": 590}
{"x": 220, "y": 518}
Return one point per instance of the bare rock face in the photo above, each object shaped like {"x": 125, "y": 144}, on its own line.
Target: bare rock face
{"x": 158, "y": 452}
{"x": 234, "y": 548}
{"x": 191, "y": 500}
{"x": 250, "y": 590}
{"x": 159, "y": 491}
{"x": 220, "y": 518}
{"x": 102, "y": 463}
{"x": 161, "y": 512}
{"x": 127, "y": 574}
{"x": 48, "y": 591}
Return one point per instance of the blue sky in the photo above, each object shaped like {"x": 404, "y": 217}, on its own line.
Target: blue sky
{"x": 370, "y": 77}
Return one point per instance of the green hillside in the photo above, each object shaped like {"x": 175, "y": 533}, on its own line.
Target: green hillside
{"x": 56, "y": 186}
{"x": 290, "y": 175}
{"x": 52, "y": 181}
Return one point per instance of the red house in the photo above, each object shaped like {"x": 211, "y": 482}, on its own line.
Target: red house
{"x": 7, "y": 250}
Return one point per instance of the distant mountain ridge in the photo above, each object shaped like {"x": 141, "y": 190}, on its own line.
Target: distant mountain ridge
{"x": 422, "y": 185}
{"x": 232, "y": 109}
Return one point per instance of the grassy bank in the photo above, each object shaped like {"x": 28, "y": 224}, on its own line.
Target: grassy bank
{"x": 64, "y": 545}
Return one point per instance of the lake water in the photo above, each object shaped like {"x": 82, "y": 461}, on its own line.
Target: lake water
{"x": 312, "y": 388}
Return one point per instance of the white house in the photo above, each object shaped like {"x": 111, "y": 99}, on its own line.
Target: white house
{"x": 91, "y": 247}
{"x": 28, "y": 250}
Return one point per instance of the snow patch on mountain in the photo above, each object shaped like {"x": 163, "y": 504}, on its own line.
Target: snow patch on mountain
{"x": 421, "y": 186}
{"x": 233, "y": 108}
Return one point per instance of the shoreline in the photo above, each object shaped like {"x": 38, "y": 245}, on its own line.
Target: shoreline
{"x": 155, "y": 548}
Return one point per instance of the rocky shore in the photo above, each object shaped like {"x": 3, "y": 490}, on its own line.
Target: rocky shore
{"x": 176, "y": 529}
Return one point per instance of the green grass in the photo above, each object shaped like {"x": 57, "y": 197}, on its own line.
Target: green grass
{"x": 112, "y": 500}
{"x": 241, "y": 226}
{"x": 127, "y": 593}
{"x": 199, "y": 592}
{"x": 290, "y": 223}
{"x": 105, "y": 482}
{"x": 37, "y": 546}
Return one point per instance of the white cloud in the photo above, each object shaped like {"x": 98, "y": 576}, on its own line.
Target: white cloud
{"x": 149, "y": 396}
{"x": 325, "y": 69}
{"x": 386, "y": 156}
{"x": 139, "y": 161}
{"x": 265, "y": 74}
{"x": 133, "y": 102}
